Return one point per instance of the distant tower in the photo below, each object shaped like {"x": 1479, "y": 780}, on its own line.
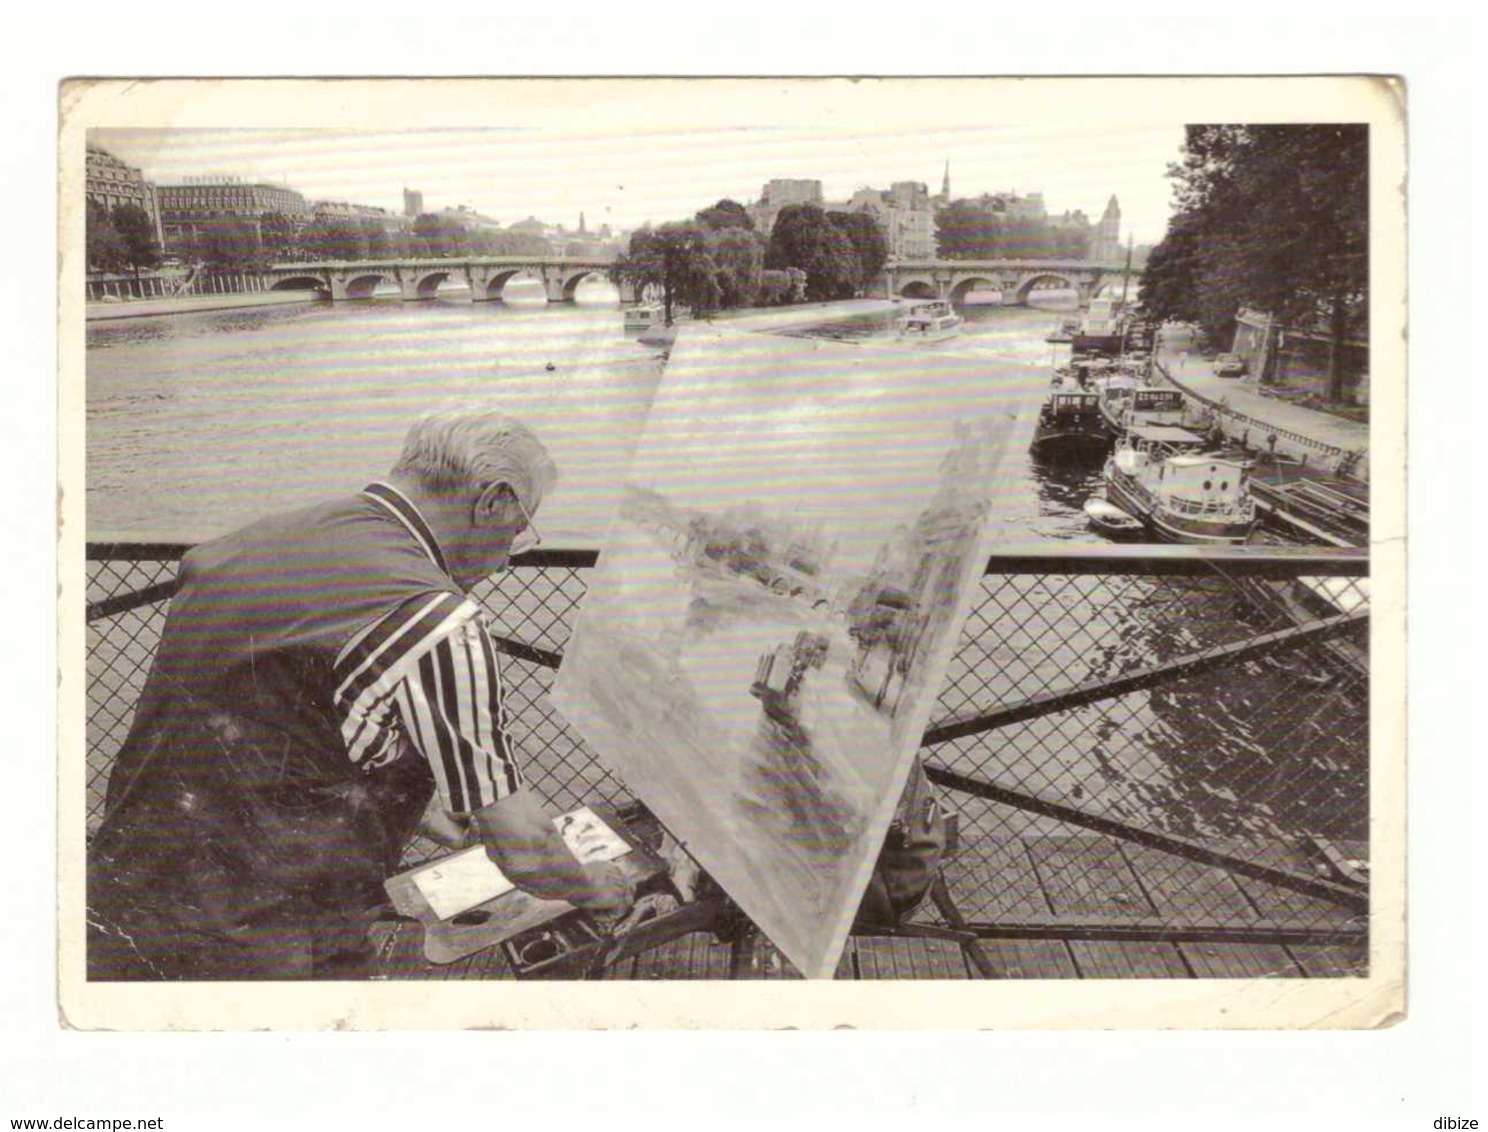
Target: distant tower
{"x": 413, "y": 203}
{"x": 945, "y": 183}
{"x": 1106, "y": 246}
{"x": 581, "y": 224}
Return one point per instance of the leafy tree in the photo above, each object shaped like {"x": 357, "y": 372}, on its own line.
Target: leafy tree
{"x": 518, "y": 243}
{"x": 227, "y": 243}
{"x": 804, "y": 238}
{"x": 965, "y": 229}
{"x": 374, "y": 238}
{"x": 136, "y": 232}
{"x": 674, "y": 259}
{"x": 1273, "y": 217}
{"x": 280, "y": 235}
{"x": 738, "y": 257}
{"x": 869, "y": 246}
{"x": 444, "y": 236}
{"x": 335, "y": 239}
{"x": 724, "y": 215}
{"x": 1169, "y": 288}
{"x": 105, "y": 247}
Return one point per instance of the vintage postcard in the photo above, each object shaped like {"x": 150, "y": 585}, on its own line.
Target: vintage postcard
{"x": 957, "y": 579}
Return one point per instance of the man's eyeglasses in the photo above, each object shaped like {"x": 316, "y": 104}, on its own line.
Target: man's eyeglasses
{"x": 527, "y": 538}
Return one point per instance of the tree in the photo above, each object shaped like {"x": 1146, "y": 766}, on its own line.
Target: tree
{"x": 335, "y": 239}
{"x": 139, "y": 248}
{"x": 519, "y": 243}
{"x": 965, "y": 229}
{"x": 1169, "y": 288}
{"x": 1274, "y": 217}
{"x": 673, "y": 258}
{"x": 804, "y": 238}
{"x": 105, "y": 247}
{"x": 867, "y": 238}
{"x": 227, "y": 243}
{"x": 280, "y": 236}
{"x": 444, "y": 236}
{"x": 724, "y": 215}
{"x": 738, "y": 257}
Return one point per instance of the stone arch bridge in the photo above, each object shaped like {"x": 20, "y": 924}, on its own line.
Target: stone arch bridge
{"x": 420, "y": 278}
{"x": 1016, "y": 279}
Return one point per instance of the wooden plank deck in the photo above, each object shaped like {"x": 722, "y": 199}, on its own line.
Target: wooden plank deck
{"x": 1317, "y": 961}
{"x": 1048, "y": 880}
{"x": 1090, "y": 877}
{"x": 1176, "y": 885}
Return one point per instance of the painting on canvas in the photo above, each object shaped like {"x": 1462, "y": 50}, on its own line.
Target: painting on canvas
{"x": 761, "y": 645}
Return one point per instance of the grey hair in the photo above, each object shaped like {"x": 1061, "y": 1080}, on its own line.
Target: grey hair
{"x": 468, "y": 448}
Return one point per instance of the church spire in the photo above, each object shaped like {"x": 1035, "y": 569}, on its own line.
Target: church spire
{"x": 945, "y": 184}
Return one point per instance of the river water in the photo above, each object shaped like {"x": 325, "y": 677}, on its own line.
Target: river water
{"x": 198, "y": 423}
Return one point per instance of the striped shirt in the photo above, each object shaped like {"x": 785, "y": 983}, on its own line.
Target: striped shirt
{"x": 426, "y": 676}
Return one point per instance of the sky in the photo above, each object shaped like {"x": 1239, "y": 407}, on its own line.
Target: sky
{"x": 622, "y": 175}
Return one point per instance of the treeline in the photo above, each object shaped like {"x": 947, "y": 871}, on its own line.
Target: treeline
{"x": 123, "y": 239}
{"x": 243, "y": 244}
{"x": 717, "y": 261}
{"x": 1274, "y": 218}
{"x": 969, "y": 229}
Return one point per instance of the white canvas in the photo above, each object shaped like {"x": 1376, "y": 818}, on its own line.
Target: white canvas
{"x": 761, "y": 645}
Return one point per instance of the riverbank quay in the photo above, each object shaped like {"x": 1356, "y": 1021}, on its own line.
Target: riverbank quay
{"x": 193, "y": 304}
{"x": 1318, "y": 440}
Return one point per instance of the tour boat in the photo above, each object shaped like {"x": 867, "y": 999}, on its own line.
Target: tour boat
{"x": 1069, "y": 422}
{"x": 933, "y": 320}
{"x": 1111, "y": 520}
{"x": 640, "y": 319}
{"x": 1163, "y": 476}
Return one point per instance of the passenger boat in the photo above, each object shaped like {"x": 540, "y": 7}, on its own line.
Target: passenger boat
{"x": 1069, "y": 422}
{"x": 1111, "y": 520}
{"x": 1100, "y": 330}
{"x": 1163, "y": 476}
{"x": 1129, "y": 405}
{"x": 931, "y": 320}
{"x": 1065, "y": 333}
{"x": 640, "y": 319}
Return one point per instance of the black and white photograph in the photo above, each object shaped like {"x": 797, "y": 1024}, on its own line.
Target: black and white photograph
{"x": 536, "y": 533}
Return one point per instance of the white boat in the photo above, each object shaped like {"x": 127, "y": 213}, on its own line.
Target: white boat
{"x": 1163, "y": 476}
{"x": 930, "y": 320}
{"x": 640, "y": 319}
{"x": 1111, "y": 520}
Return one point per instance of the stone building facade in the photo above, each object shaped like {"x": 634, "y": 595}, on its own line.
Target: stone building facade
{"x": 184, "y": 208}
{"x": 112, "y": 182}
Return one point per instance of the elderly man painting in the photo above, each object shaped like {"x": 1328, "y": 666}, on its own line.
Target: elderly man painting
{"x": 321, "y": 677}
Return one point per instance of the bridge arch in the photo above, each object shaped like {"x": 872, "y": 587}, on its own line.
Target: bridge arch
{"x": 1044, "y": 281}
{"x": 571, "y": 282}
{"x": 969, "y": 283}
{"x": 496, "y": 283}
{"x": 917, "y": 287}
{"x": 362, "y": 286}
{"x": 426, "y": 285}
{"x": 300, "y": 283}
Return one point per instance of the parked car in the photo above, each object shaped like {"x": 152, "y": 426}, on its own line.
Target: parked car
{"x": 1229, "y": 365}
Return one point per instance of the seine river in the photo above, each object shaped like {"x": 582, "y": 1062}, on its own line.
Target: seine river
{"x": 197, "y": 423}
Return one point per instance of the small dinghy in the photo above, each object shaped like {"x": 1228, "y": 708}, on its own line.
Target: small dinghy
{"x": 1111, "y": 520}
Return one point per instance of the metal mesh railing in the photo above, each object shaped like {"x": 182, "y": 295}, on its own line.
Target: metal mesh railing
{"x": 1170, "y": 749}
{"x": 1158, "y": 756}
